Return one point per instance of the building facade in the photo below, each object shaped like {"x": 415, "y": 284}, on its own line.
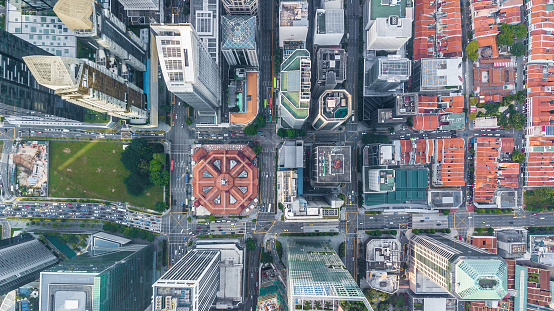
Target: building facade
{"x": 240, "y": 7}
{"x": 239, "y": 40}
{"x": 89, "y": 85}
{"x": 331, "y": 70}
{"x": 141, "y": 5}
{"x": 104, "y": 278}
{"x": 191, "y": 283}
{"x": 21, "y": 260}
{"x": 205, "y": 20}
{"x": 20, "y": 94}
{"x": 387, "y": 74}
{"x": 188, "y": 69}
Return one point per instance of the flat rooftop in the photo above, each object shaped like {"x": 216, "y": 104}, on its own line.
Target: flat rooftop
{"x": 386, "y": 8}
{"x": 335, "y": 105}
{"x": 441, "y": 72}
{"x": 296, "y": 84}
{"x": 407, "y": 104}
{"x": 392, "y": 69}
{"x": 294, "y": 13}
{"x": 332, "y": 164}
{"x": 331, "y": 64}
{"x": 445, "y": 199}
{"x": 250, "y": 100}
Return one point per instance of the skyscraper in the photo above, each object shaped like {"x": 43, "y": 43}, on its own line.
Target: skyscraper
{"x": 189, "y": 71}
{"x": 335, "y": 107}
{"x": 316, "y": 275}
{"x": 141, "y": 5}
{"x": 104, "y": 278}
{"x": 21, "y": 259}
{"x": 465, "y": 271}
{"x": 236, "y": 7}
{"x": 238, "y": 41}
{"x": 205, "y": 20}
{"x": 191, "y": 284}
{"x": 89, "y": 85}
{"x": 294, "y": 99}
{"x": 20, "y": 94}
{"x": 99, "y": 28}
{"x": 387, "y": 74}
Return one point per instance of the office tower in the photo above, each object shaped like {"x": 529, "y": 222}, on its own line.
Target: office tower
{"x": 140, "y": 5}
{"x": 46, "y": 6}
{"x": 205, "y": 20}
{"x": 89, "y": 85}
{"x": 335, "y": 107}
{"x": 293, "y": 22}
{"x": 331, "y": 70}
{"x": 387, "y": 74}
{"x": 387, "y": 24}
{"x": 104, "y": 278}
{"x": 329, "y": 26}
{"x": 238, "y": 7}
{"x": 238, "y": 42}
{"x": 465, "y": 271}
{"x": 46, "y": 32}
{"x": 99, "y": 28}
{"x": 19, "y": 92}
{"x": 191, "y": 284}
{"x": 21, "y": 260}
{"x": 189, "y": 71}
{"x": 316, "y": 274}
{"x": 331, "y": 165}
{"x": 294, "y": 99}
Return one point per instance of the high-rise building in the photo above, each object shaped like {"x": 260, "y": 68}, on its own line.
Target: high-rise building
{"x": 104, "y": 278}
{"x": 21, "y": 260}
{"x": 205, "y": 20}
{"x": 240, "y": 7}
{"x": 335, "y": 107}
{"x": 20, "y": 94}
{"x": 189, "y": 71}
{"x": 46, "y": 32}
{"x": 46, "y": 6}
{"x": 293, "y": 22}
{"x": 330, "y": 68}
{"x": 329, "y": 26}
{"x": 89, "y": 85}
{"x": 317, "y": 274}
{"x": 140, "y": 5}
{"x": 99, "y": 28}
{"x": 238, "y": 40}
{"x": 465, "y": 271}
{"x": 437, "y": 75}
{"x": 191, "y": 284}
{"x": 387, "y": 24}
{"x": 295, "y": 93}
{"x": 331, "y": 166}
{"x": 387, "y": 74}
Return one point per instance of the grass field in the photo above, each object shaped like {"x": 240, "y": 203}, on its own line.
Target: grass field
{"x": 93, "y": 170}
{"x": 92, "y": 116}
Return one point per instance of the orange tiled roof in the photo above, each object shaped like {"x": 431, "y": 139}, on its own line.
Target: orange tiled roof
{"x": 451, "y": 156}
{"x": 224, "y": 181}
{"x": 491, "y": 42}
{"x": 487, "y": 243}
{"x": 430, "y": 104}
{"x": 539, "y": 163}
{"x": 510, "y": 15}
{"x": 507, "y": 144}
{"x": 426, "y": 122}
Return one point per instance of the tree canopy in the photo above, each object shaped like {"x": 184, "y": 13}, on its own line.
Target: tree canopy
{"x": 471, "y": 50}
{"x": 145, "y": 162}
{"x": 521, "y": 31}
{"x": 506, "y": 35}
{"x": 518, "y": 49}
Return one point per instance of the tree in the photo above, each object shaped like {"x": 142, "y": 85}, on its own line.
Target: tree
{"x": 518, "y": 156}
{"x": 250, "y": 129}
{"x": 266, "y": 257}
{"x": 135, "y": 184}
{"x": 415, "y": 231}
{"x": 391, "y": 129}
{"x": 490, "y": 230}
{"x": 479, "y": 230}
{"x": 445, "y": 212}
{"x": 506, "y": 35}
{"x": 521, "y": 31}
{"x": 155, "y": 166}
{"x": 257, "y": 148}
{"x": 159, "y": 206}
{"x": 472, "y": 115}
{"x": 518, "y": 49}
{"x": 188, "y": 121}
{"x": 250, "y": 244}
{"x": 471, "y": 50}
{"x": 281, "y": 132}
{"x": 260, "y": 121}
{"x": 159, "y": 157}
{"x": 211, "y": 218}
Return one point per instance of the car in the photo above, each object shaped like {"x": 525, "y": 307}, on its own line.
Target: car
{"x": 198, "y": 227}
{"x": 426, "y": 217}
{"x": 534, "y": 214}
{"x": 286, "y": 230}
{"x": 218, "y": 227}
{"x": 511, "y": 222}
{"x": 438, "y": 224}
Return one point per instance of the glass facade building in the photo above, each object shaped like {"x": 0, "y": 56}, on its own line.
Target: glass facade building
{"x": 105, "y": 278}
{"x": 317, "y": 276}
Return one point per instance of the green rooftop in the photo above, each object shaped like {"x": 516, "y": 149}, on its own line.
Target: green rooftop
{"x": 294, "y": 87}
{"x": 408, "y": 184}
{"x": 383, "y": 9}
{"x": 456, "y": 122}
{"x": 481, "y": 279}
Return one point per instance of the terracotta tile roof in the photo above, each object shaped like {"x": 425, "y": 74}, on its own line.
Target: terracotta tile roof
{"x": 487, "y": 243}
{"x": 507, "y": 144}
{"x": 405, "y": 149}
{"x": 540, "y": 162}
{"x": 423, "y": 46}
{"x": 511, "y": 15}
{"x": 224, "y": 181}
{"x": 450, "y": 156}
{"x": 426, "y": 122}
{"x": 430, "y": 104}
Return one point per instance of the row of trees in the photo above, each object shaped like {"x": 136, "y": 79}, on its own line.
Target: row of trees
{"x": 252, "y": 128}
{"x": 380, "y": 232}
{"x": 481, "y": 230}
{"x": 372, "y": 138}
{"x": 291, "y": 133}
{"x": 539, "y": 199}
{"x": 131, "y": 232}
{"x": 493, "y": 210}
{"x": 147, "y": 164}
{"x": 418, "y": 231}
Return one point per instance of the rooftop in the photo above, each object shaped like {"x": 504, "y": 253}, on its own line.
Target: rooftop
{"x": 494, "y": 76}
{"x": 291, "y": 154}
{"x": 329, "y": 21}
{"x": 225, "y": 181}
{"x": 383, "y": 254}
{"x": 394, "y": 68}
{"x": 386, "y": 8}
{"x": 441, "y": 72}
{"x": 249, "y": 101}
{"x": 293, "y": 13}
{"x": 238, "y": 32}
{"x": 332, "y": 164}
{"x": 331, "y": 65}
{"x": 295, "y": 84}
{"x": 447, "y": 199}
{"x": 335, "y": 105}
{"x": 407, "y": 104}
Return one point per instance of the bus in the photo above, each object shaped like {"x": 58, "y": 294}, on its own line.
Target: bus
{"x": 265, "y": 103}
{"x": 172, "y": 165}
{"x": 271, "y": 103}
{"x": 274, "y": 82}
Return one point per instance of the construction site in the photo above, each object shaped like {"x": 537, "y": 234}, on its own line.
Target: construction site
{"x": 31, "y": 168}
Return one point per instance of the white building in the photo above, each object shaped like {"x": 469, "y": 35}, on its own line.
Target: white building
{"x": 293, "y": 21}
{"x": 387, "y": 24}
{"x": 46, "y": 32}
{"x": 205, "y": 20}
{"x": 191, "y": 283}
{"x": 238, "y": 40}
{"x": 189, "y": 71}
{"x": 329, "y": 23}
{"x": 295, "y": 92}
{"x": 335, "y": 107}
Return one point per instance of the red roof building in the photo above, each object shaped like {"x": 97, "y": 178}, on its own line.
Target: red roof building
{"x": 224, "y": 181}
{"x": 442, "y": 104}
{"x": 487, "y": 243}
{"x": 494, "y": 77}
{"x": 426, "y": 122}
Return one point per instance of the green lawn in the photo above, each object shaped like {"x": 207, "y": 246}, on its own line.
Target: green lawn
{"x": 93, "y": 170}
{"x": 92, "y": 116}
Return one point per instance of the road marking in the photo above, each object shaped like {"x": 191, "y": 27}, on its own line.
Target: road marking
{"x": 173, "y": 215}
{"x": 126, "y": 135}
{"x": 5, "y": 133}
{"x": 350, "y": 136}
